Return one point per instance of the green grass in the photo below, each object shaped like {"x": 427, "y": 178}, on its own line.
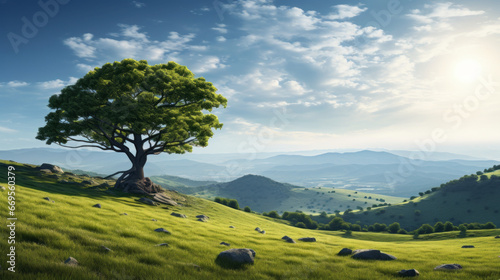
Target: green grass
{"x": 48, "y": 233}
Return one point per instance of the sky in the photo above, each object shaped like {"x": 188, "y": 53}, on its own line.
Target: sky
{"x": 298, "y": 75}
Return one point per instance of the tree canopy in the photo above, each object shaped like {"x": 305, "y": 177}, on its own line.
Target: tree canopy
{"x": 134, "y": 108}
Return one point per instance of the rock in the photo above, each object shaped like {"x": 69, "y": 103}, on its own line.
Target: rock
{"x": 162, "y": 230}
{"x": 308, "y": 239}
{"x": 369, "y": 254}
{"x": 468, "y": 246}
{"x": 162, "y": 245}
{"x": 258, "y": 229}
{"x": 2, "y": 188}
{"x": 97, "y": 205}
{"x": 88, "y": 182}
{"x": 63, "y": 181}
{"x": 231, "y": 227}
{"x": 202, "y": 220}
{"x": 104, "y": 249}
{"x": 225, "y": 244}
{"x": 408, "y": 273}
{"x": 71, "y": 261}
{"x": 498, "y": 236}
{"x": 234, "y": 258}
{"x": 448, "y": 267}
{"x": 124, "y": 214}
{"x": 345, "y": 252}
{"x": 45, "y": 171}
{"x": 47, "y": 198}
{"x": 51, "y": 167}
{"x": 178, "y": 215}
{"x": 288, "y": 239}
{"x": 263, "y": 231}
{"x": 147, "y": 201}
{"x": 163, "y": 198}
{"x": 204, "y": 217}
{"x": 154, "y": 220}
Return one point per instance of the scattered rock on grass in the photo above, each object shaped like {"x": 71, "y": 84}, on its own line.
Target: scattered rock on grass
{"x": 225, "y": 244}
{"x": 48, "y": 199}
{"x": 178, "y": 215}
{"x": 468, "y": 246}
{"x": 369, "y": 254}
{"x": 448, "y": 267}
{"x": 263, "y": 231}
{"x": 71, "y": 261}
{"x": 51, "y": 167}
{"x": 124, "y": 214}
{"x": 307, "y": 239}
{"x": 98, "y": 205}
{"x": 288, "y": 239}
{"x": 154, "y": 220}
{"x": 345, "y": 252}
{"x": 202, "y": 220}
{"x": 498, "y": 236}
{"x": 203, "y": 217}
{"x": 162, "y": 245}
{"x": 235, "y": 258}
{"x": 162, "y": 230}
{"x": 258, "y": 229}
{"x": 409, "y": 272}
{"x": 231, "y": 227}
{"x": 147, "y": 201}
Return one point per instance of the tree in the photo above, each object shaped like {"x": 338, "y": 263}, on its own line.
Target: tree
{"x": 448, "y": 226}
{"x": 233, "y": 203}
{"x": 273, "y": 214}
{"x": 439, "y": 227}
{"x": 247, "y": 209}
{"x": 136, "y": 109}
{"x": 425, "y": 229}
{"x": 394, "y": 227}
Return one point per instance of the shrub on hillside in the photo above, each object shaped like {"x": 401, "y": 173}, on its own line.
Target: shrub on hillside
{"x": 394, "y": 227}
{"x": 273, "y": 214}
{"x": 402, "y": 231}
{"x": 425, "y": 229}
{"x": 247, "y": 209}
{"x": 448, "y": 226}
{"x": 439, "y": 227}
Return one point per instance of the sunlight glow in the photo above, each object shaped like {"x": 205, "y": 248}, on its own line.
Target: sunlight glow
{"x": 468, "y": 70}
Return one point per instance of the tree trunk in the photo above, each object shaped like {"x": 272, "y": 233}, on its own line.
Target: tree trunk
{"x": 133, "y": 181}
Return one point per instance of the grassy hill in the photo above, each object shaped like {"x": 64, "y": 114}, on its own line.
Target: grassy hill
{"x": 48, "y": 233}
{"x": 262, "y": 194}
{"x": 467, "y": 200}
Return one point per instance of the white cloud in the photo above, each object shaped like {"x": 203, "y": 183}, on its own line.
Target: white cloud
{"x": 345, "y": 11}
{"x": 132, "y": 31}
{"x": 220, "y": 39}
{"x": 57, "y": 83}
{"x": 138, "y": 4}
{"x": 16, "y": 83}
{"x": 80, "y": 46}
{"x": 7, "y": 130}
{"x": 84, "y": 67}
{"x": 442, "y": 11}
{"x": 221, "y": 28}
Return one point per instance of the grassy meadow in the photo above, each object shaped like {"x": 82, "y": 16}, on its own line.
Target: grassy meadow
{"x": 48, "y": 233}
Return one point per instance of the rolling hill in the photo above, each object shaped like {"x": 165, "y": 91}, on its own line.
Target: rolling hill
{"x": 48, "y": 233}
{"x": 468, "y": 199}
{"x": 262, "y": 194}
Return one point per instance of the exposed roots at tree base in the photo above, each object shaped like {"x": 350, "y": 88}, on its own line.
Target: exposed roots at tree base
{"x": 139, "y": 186}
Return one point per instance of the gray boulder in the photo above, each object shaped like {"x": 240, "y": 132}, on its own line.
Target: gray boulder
{"x": 178, "y": 215}
{"x": 263, "y": 231}
{"x": 288, "y": 239}
{"x": 225, "y": 243}
{"x": 369, "y": 254}
{"x": 162, "y": 245}
{"x": 235, "y": 258}
{"x": 71, "y": 261}
{"x": 453, "y": 266}
{"x": 98, "y": 205}
{"x": 498, "y": 236}
{"x": 231, "y": 227}
{"x": 52, "y": 168}
{"x": 203, "y": 217}
{"x": 468, "y": 246}
{"x": 163, "y": 230}
{"x": 202, "y": 220}
{"x": 307, "y": 239}
{"x": 258, "y": 229}
{"x": 345, "y": 252}
{"x": 147, "y": 201}
{"x": 409, "y": 273}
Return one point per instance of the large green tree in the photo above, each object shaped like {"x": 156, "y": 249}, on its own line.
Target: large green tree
{"x": 136, "y": 109}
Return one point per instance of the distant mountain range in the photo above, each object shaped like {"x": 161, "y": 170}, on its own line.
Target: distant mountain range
{"x": 381, "y": 172}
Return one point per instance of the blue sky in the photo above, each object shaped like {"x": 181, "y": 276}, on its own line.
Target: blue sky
{"x": 299, "y": 75}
